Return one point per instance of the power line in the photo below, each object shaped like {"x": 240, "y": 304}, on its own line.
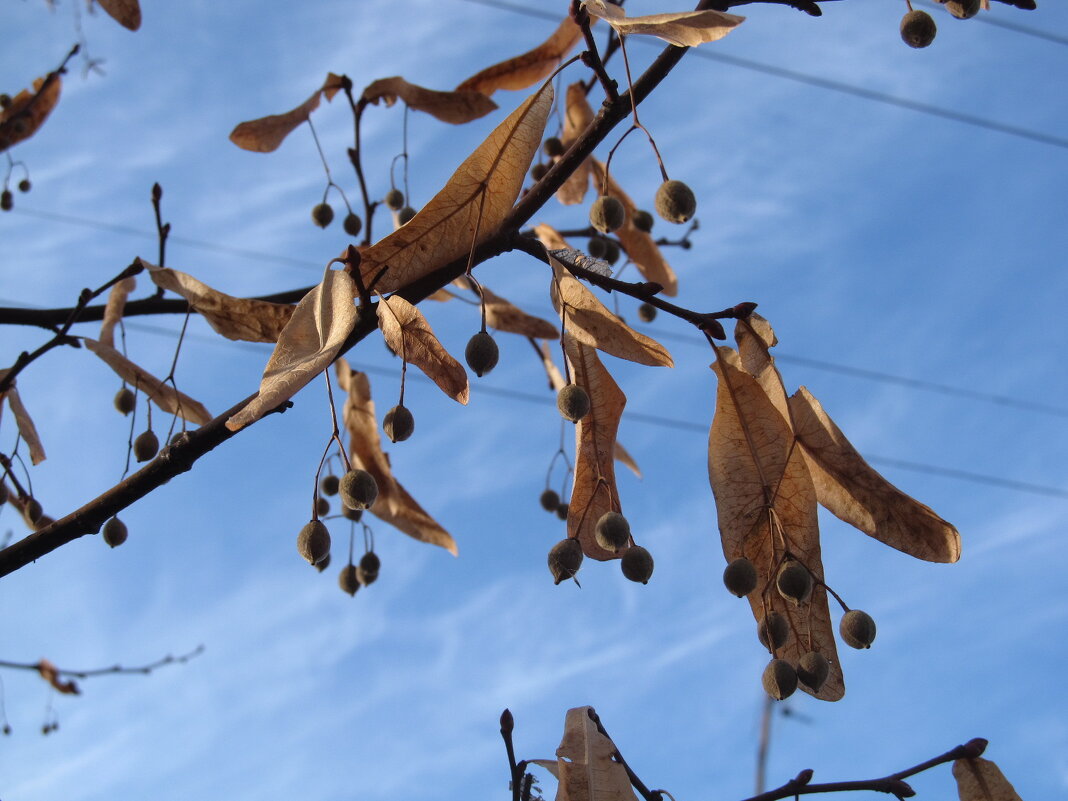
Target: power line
{"x": 824, "y": 83}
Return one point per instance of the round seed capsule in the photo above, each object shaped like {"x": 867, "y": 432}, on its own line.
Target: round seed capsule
{"x": 607, "y": 214}
{"x": 642, "y": 220}
{"x": 675, "y": 201}
{"x": 367, "y": 570}
{"x": 918, "y": 29}
{"x": 347, "y": 580}
{"x": 328, "y": 485}
{"x": 358, "y": 489}
{"x": 549, "y": 500}
{"x": 637, "y": 564}
{"x": 813, "y": 670}
{"x": 565, "y": 559}
{"x": 322, "y": 215}
{"x": 794, "y": 582}
{"x": 313, "y": 542}
{"x": 779, "y": 679}
{"x": 145, "y": 446}
{"x": 612, "y": 531}
{"x": 740, "y": 577}
{"x": 774, "y": 629}
{"x": 857, "y": 629}
{"x": 395, "y": 199}
{"x": 647, "y": 312}
{"x": 352, "y": 224}
{"x": 125, "y": 400}
{"x": 562, "y": 510}
{"x": 597, "y": 247}
{"x": 405, "y": 215}
{"x": 481, "y": 353}
{"x": 398, "y": 424}
{"x": 573, "y": 402}
{"x": 553, "y": 147}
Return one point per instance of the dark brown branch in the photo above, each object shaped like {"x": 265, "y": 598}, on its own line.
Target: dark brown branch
{"x": 636, "y": 783}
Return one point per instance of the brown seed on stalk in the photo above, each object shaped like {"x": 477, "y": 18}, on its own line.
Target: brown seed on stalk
{"x": 347, "y": 579}
{"x": 351, "y": 514}
{"x": 597, "y": 247}
{"x": 918, "y": 29}
{"x": 642, "y": 220}
{"x": 115, "y": 532}
{"x": 329, "y": 484}
{"x": 647, "y": 312}
{"x": 813, "y": 669}
{"x": 322, "y": 506}
{"x": 539, "y": 171}
{"x": 353, "y": 224}
{"x": 675, "y": 201}
{"x": 125, "y": 400}
{"x": 34, "y": 510}
{"x": 562, "y": 510}
{"x": 774, "y": 629}
{"x": 565, "y": 559}
{"x": 607, "y": 214}
{"x": 553, "y": 147}
{"x": 398, "y": 424}
{"x": 740, "y": 576}
{"x": 367, "y": 571}
{"x": 962, "y": 9}
{"x": 7, "y": 200}
{"x": 794, "y": 582}
{"x": 637, "y": 564}
{"x": 573, "y": 402}
{"x": 322, "y": 214}
{"x": 145, "y": 446}
{"x": 395, "y": 199}
{"x": 313, "y": 542}
{"x": 612, "y": 252}
{"x": 358, "y": 489}
{"x": 549, "y": 500}
{"x": 780, "y": 679}
{"x": 612, "y": 531}
{"x": 405, "y": 215}
{"x": 481, "y": 353}
{"x": 857, "y": 629}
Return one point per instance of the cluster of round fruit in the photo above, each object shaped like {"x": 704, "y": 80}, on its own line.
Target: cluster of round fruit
{"x": 358, "y": 491}
{"x": 394, "y": 200}
{"x": 31, "y": 509}
{"x": 918, "y": 28}
{"x": 674, "y": 202}
{"x": 554, "y": 149}
{"x": 794, "y": 583}
{"x": 612, "y": 533}
{"x": 323, "y": 214}
{"x": 7, "y": 197}
{"x": 551, "y": 502}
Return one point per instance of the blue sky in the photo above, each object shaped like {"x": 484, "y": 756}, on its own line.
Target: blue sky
{"x": 872, "y": 236}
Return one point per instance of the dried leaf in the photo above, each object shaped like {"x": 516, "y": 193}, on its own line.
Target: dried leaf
{"x": 452, "y": 107}
{"x": 594, "y": 491}
{"x": 27, "y": 430}
{"x": 765, "y": 500}
{"x": 640, "y": 247}
{"x": 589, "y": 321}
{"x": 855, "y": 492}
{"x": 755, "y": 339}
{"x": 125, "y": 12}
{"x": 550, "y": 237}
{"x": 29, "y": 110}
{"x": 982, "y": 780}
{"x": 267, "y": 133}
{"x": 477, "y": 197}
{"x": 682, "y": 29}
{"x": 50, "y": 673}
{"x": 309, "y": 342}
{"x": 409, "y": 335}
{"x": 163, "y": 395}
{"x": 529, "y": 68}
{"x": 394, "y": 505}
{"x": 585, "y": 767}
{"x": 113, "y": 309}
{"x": 234, "y": 318}
{"x": 577, "y": 118}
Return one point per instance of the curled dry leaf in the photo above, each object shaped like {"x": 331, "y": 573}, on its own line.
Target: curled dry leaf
{"x": 309, "y": 342}
{"x": 590, "y": 321}
{"x": 766, "y": 503}
{"x": 24, "y": 423}
{"x": 578, "y": 116}
{"x": 125, "y": 12}
{"x": 163, "y": 395}
{"x": 502, "y": 315}
{"x": 113, "y": 309}
{"x": 683, "y": 29}
{"x": 594, "y": 492}
{"x": 640, "y": 247}
{"x": 584, "y": 764}
{"x": 50, "y": 673}
{"x": 453, "y": 107}
{"x": 476, "y": 198}
{"x": 855, "y": 492}
{"x": 234, "y": 318}
{"x": 529, "y": 68}
{"x": 28, "y": 110}
{"x": 980, "y": 779}
{"x": 550, "y": 237}
{"x": 267, "y": 133}
{"x": 394, "y": 504}
{"x": 408, "y": 334}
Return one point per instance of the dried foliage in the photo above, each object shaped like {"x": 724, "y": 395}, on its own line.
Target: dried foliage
{"x": 28, "y": 110}
{"x": 682, "y": 29}
{"x": 980, "y": 779}
{"x": 584, "y": 763}
{"x": 453, "y": 107}
{"x": 265, "y": 134}
{"x": 125, "y": 12}
{"x": 578, "y": 116}
{"x": 529, "y": 68}
{"x": 24, "y": 423}
{"x": 409, "y": 335}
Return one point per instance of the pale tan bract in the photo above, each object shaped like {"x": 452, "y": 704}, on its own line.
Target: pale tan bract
{"x": 578, "y": 116}
{"x": 982, "y": 780}
{"x": 592, "y": 323}
{"x": 265, "y": 134}
{"x": 530, "y": 67}
{"x": 453, "y": 107}
{"x": 409, "y": 335}
{"x": 594, "y": 491}
{"x": 683, "y": 29}
{"x": 163, "y": 395}
{"x": 306, "y": 346}
{"x": 235, "y": 318}
{"x": 765, "y": 500}
{"x": 113, "y": 309}
{"x": 394, "y": 504}
{"x": 639, "y": 245}
{"x": 125, "y": 12}
{"x": 584, "y": 765}
{"x": 29, "y": 110}
{"x": 24, "y": 423}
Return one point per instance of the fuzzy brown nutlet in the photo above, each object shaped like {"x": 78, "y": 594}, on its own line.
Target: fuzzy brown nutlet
{"x": 637, "y": 564}
{"x": 779, "y": 679}
{"x": 394, "y": 199}
{"x": 322, "y": 214}
{"x": 857, "y": 629}
{"x": 125, "y": 400}
{"x": 549, "y": 500}
{"x": 115, "y": 532}
{"x": 740, "y": 577}
{"x": 358, "y": 489}
{"x": 793, "y": 581}
{"x": 348, "y": 580}
{"x": 773, "y": 631}
{"x": 675, "y": 201}
{"x": 398, "y": 423}
{"x": 573, "y": 402}
{"x": 607, "y": 214}
{"x": 612, "y": 531}
{"x": 352, "y": 224}
{"x": 918, "y": 29}
{"x": 481, "y": 353}
{"x": 313, "y": 542}
{"x": 146, "y": 446}
{"x": 813, "y": 670}
{"x": 565, "y": 559}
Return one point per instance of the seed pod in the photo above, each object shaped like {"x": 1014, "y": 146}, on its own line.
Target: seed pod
{"x": 125, "y": 400}
{"x": 597, "y": 247}
{"x": 779, "y": 679}
{"x": 405, "y": 215}
{"x": 322, "y": 214}
{"x": 322, "y": 506}
{"x": 481, "y": 353}
{"x": 565, "y": 559}
{"x": 7, "y": 200}
{"x": 25, "y": 185}
{"x": 347, "y": 579}
{"x": 777, "y": 627}
{"x": 612, "y": 252}
{"x": 637, "y": 564}
{"x": 145, "y": 446}
{"x": 675, "y": 201}
{"x": 813, "y": 670}
{"x": 549, "y": 500}
{"x": 573, "y": 402}
{"x": 794, "y": 582}
{"x": 918, "y": 29}
{"x": 352, "y": 224}
{"x": 857, "y": 629}
{"x": 34, "y": 510}
{"x": 351, "y": 514}
{"x": 553, "y": 147}
{"x": 740, "y": 576}
{"x": 962, "y": 9}
{"x": 115, "y": 532}
{"x": 358, "y": 489}
{"x": 562, "y": 510}
{"x": 612, "y": 531}
{"x": 323, "y": 565}
{"x": 647, "y": 312}
{"x": 395, "y": 199}
{"x": 539, "y": 171}
{"x": 328, "y": 485}
{"x": 368, "y": 568}
{"x": 607, "y": 214}
{"x": 398, "y": 424}
{"x": 642, "y": 220}
{"x": 313, "y": 542}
